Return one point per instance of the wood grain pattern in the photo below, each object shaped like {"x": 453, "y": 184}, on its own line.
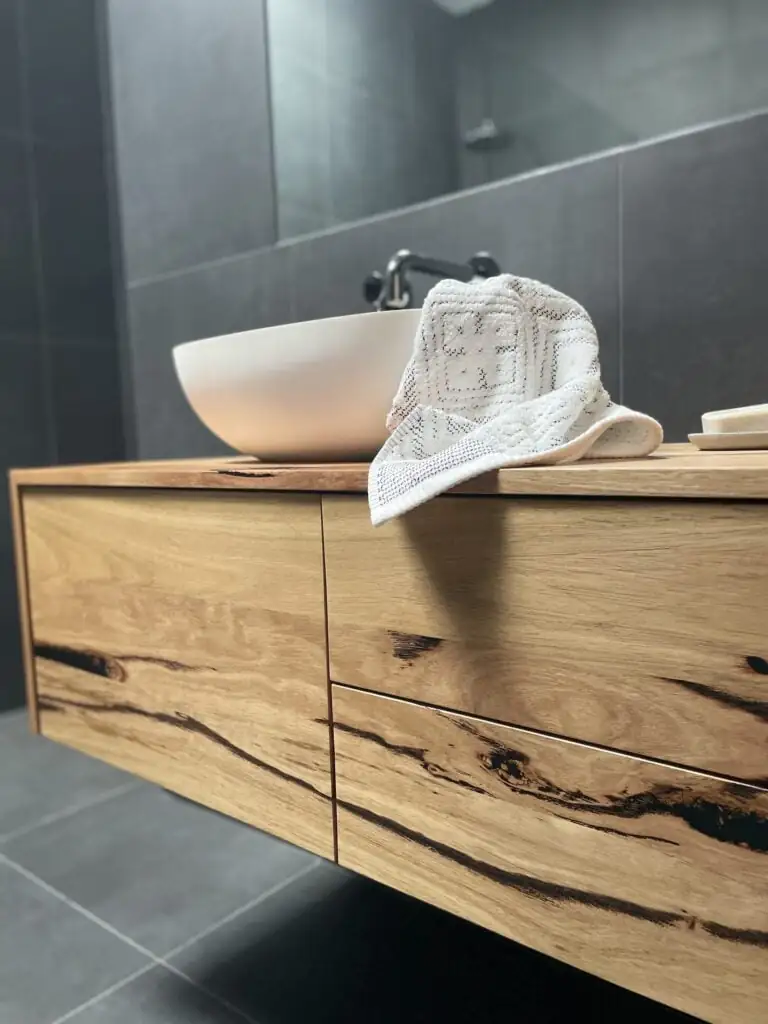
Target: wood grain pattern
{"x": 181, "y": 637}
{"x": 675, "y": 471}
{"x": 20, "y": 560}
{"x": 641, "y": 626}
{"x": 649, "y": 876}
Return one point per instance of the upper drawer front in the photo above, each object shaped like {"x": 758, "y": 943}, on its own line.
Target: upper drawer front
{"x": 638, "y": 625}
{"x": 181, "y": 636}
{"x": 650, "y": 876}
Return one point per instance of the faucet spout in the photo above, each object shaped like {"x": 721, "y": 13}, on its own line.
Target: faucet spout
{"x": 392, "y": 289}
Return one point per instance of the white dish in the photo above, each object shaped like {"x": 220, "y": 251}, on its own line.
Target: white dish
{"x": 741, "y": 441}
{"x": 310, "y": 392}
{"x": 747, "y": 418}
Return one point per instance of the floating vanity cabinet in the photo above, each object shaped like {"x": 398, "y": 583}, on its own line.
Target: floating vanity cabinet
{"x": 180, "y": 635}
{"x": 539, "y": 702}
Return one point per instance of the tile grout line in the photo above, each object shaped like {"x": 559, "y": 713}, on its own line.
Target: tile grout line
{"x": 278, "y": 887}
{"x": 155, "y": 960}
{"x": 208, "y": 992}
{"x": 65, "y": 812}
{"x": 73, "y": 905}
{"x": 620, "y": 240}
{"x": 70, "y": 1014}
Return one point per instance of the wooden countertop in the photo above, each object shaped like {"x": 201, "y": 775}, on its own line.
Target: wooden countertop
{"x": 674, "y": 471}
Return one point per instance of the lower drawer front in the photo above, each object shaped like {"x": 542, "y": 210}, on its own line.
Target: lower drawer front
{"x": 650, "y": 876}
{"x": 180, "y": 636}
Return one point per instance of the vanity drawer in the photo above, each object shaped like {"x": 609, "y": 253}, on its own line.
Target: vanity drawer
{"x": 649, "y": 876}
{"x": 638, "y": 625}
{"x": 181, "y": 637}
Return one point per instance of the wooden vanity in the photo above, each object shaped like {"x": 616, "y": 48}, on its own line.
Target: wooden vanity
{"x": 540, "y": 703}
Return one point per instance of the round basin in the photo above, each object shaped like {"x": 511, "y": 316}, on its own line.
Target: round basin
{"x": 317, "y": 391}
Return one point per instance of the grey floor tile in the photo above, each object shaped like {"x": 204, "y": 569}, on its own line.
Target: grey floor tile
{"x": 319, "y": 949}
{"x": 41, "y": 778}
{"x": 52, "y": 958}
{"x": 157, "y": 997}
{"x": 157, "y": 868}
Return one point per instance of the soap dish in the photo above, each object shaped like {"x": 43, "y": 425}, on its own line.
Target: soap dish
{"x": 734, "y": 441}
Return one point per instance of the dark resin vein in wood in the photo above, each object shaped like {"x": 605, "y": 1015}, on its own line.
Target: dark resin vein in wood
{"x": 554, "y": 892}
{"x": 179, "y": 720}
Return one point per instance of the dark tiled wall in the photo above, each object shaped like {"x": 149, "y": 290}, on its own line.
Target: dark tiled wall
{"x": 363, "y": 108}
{"x": 664, "y": 244}
{"x": 566, "y": 78}
{"x": 191, "y": 130}
{"x": 59, "y": 372}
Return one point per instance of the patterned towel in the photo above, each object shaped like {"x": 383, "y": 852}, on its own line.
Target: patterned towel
{"x": 505, "y": 372}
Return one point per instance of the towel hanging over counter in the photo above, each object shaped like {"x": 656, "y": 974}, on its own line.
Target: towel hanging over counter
{"x": 504, "y": 372}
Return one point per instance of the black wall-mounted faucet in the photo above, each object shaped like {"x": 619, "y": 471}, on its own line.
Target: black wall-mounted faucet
{"x": 392, "y": 290}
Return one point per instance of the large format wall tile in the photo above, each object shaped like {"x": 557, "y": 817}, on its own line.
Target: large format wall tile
{"x": 560, "y": 227}
{"x": 232, "y": 295}
{"x": 695, "y": 235}
{"x": 10, "y": 84}
{"x": 75, "y": 244}
{"x": 62, "y": 71}
{"x": 24, "y": 441}
{"x": 18, "y": 296}
{"x": 87, "y": 407}
{"x": 191, "y": 120}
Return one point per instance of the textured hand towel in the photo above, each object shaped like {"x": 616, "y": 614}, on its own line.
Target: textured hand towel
{"x": 505, "y": 372}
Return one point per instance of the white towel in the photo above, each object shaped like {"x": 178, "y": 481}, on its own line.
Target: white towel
{"x": 504, "y": 372}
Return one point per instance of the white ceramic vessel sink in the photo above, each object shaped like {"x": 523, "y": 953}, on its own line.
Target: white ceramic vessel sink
{"x": 315, "y": 391}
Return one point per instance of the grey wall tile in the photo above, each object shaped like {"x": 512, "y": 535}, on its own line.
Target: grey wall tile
{"x": 363, "y": 108}
{"x": 11, "y": 672}
{"x": 539, "y": 227}
{"x": 233, "y": 295}
{"x": 85, "y": 386}
{"x": 25, "y": 440}
{"x": 301, "y": 134}
{"x": 157, "y": 997}
{"x": 24, "y": 413}
{"x": 10, "y": 81}
{"x": 157, "y": 868}
{"x": 55, "y": 267}
{"x": 191, "y": 118}
{"x": 18, "y": 296}
{"x": 75, "y": 244}
{"x": 567, "y": 79}
{"x": 62, "y": 70}
{"x": 695, "y": 253}
{"x": 53, "y": 958}
{"x": 560, "y": 227}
